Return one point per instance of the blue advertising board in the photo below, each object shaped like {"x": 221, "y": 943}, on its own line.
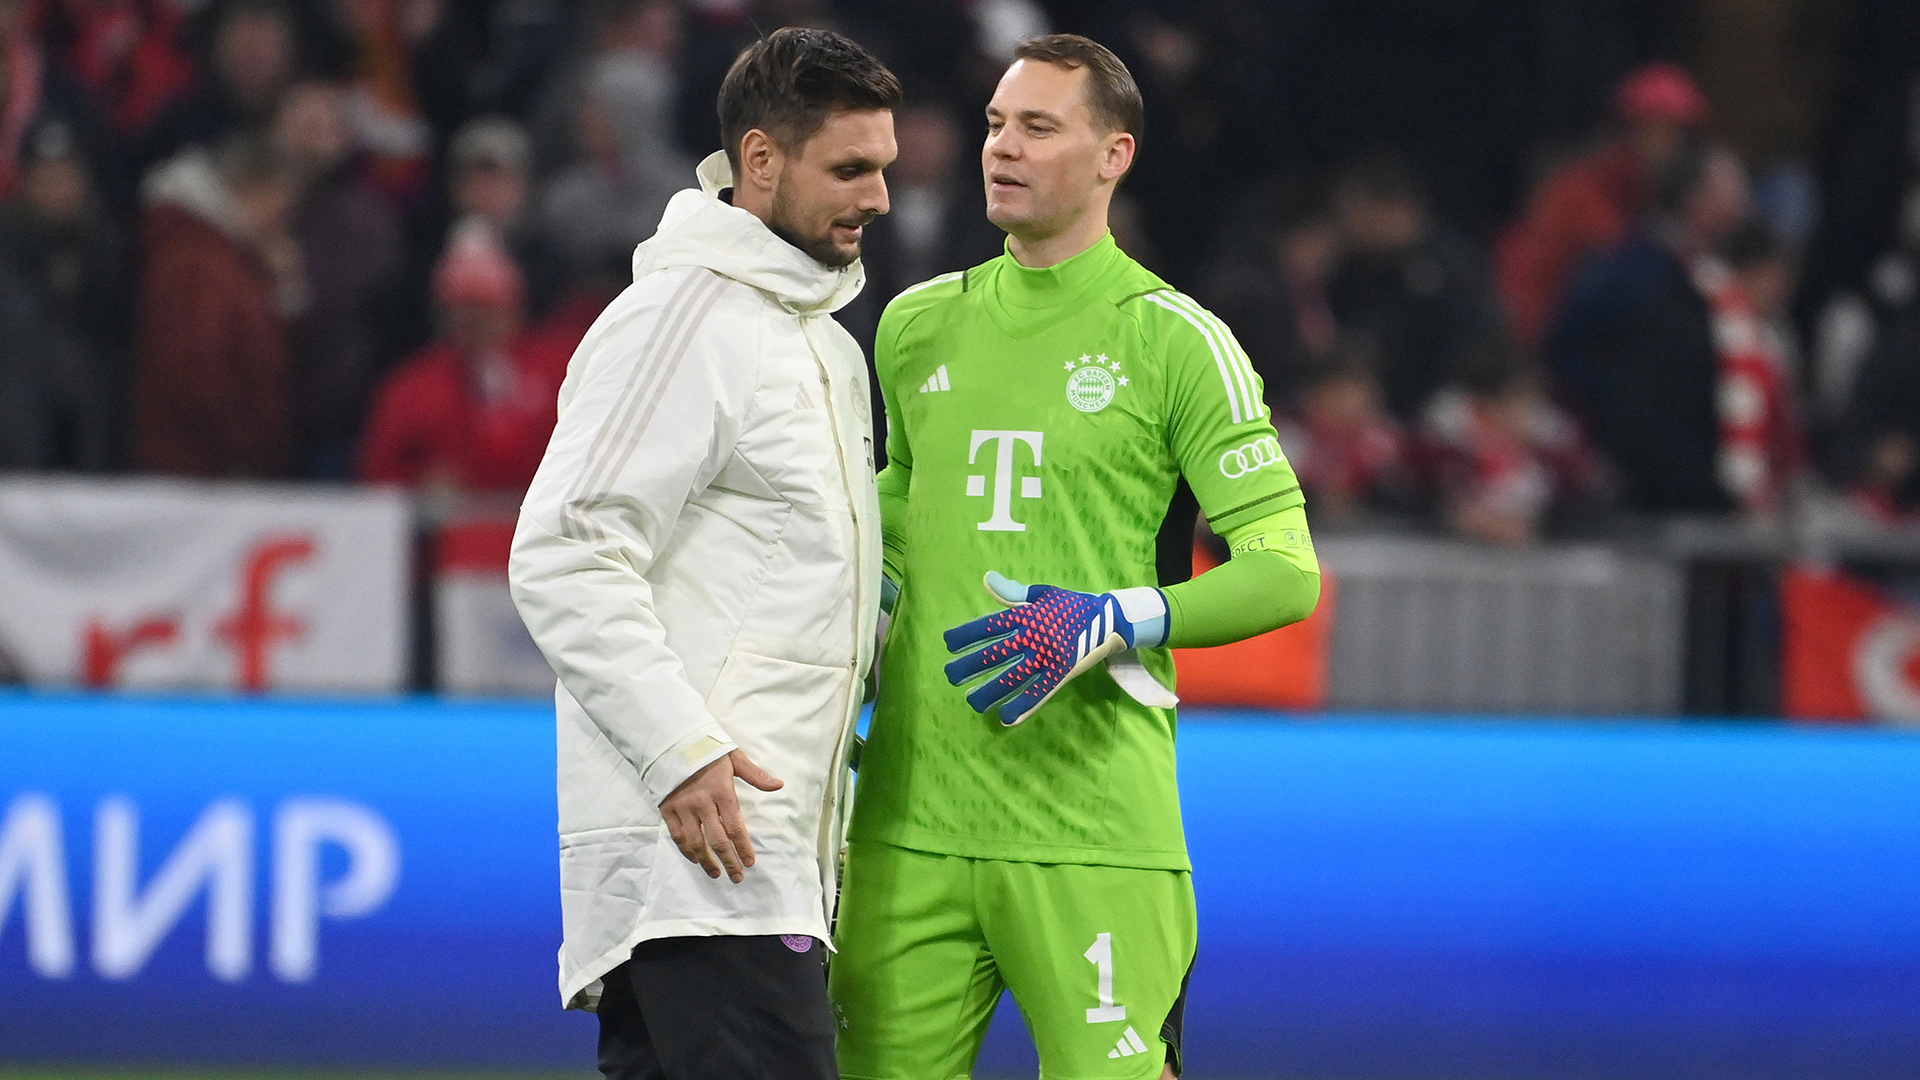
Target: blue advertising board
{"x": 346, "y": 884}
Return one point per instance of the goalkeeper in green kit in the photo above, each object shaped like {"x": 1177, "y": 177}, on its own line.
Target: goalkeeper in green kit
{"x": 1018, "y": 818}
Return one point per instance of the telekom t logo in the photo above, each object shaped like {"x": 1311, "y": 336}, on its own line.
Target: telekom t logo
{"x": 1004, "y": 443}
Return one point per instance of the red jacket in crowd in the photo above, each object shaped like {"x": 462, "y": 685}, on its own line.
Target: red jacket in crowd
{"x": 434, "y": 422}
{"x": 130, "y": 55}
{"x": 1577, "y": 212}
{"x": 1587, "y": 205}
{"x": 211, "y": 393}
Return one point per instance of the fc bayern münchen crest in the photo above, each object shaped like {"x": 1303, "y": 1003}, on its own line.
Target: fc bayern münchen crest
{"x": 1091, "y": 386}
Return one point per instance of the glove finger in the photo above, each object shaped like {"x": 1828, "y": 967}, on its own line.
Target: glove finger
{"x": 1005, "y": 589}
{"x": 998, "y": 689}
{"x": 979, "y": 631}
{"x": 1037, "y": 693}
{"x": 1029, "y": 699}
{"x": 983, "y": 659}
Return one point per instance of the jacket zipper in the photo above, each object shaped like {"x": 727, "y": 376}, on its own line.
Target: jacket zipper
{"x": 830, "y": 859}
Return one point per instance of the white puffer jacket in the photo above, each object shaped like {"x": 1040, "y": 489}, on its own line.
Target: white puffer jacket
{"x": 699, "y": 559}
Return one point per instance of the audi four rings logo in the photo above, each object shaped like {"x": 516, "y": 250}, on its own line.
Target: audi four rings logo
{"x": 1251, "y": 458}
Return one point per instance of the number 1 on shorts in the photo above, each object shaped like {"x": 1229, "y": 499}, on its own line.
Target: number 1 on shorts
{"x": 1100, "y": 955}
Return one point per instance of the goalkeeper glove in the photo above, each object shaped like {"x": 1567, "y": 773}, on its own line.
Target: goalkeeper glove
{"x": 1048, "y": 636}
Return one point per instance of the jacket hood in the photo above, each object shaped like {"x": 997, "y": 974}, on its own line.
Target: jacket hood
{"x": 190, "y": 182}
{"x": 699, "y": 229}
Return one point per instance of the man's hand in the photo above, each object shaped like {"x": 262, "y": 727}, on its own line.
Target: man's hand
{"x": 703, "y": 815}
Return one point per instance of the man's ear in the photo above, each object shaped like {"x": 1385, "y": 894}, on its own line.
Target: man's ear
{"x": 1116, "y": 157}
{"x": 760, "y": 161}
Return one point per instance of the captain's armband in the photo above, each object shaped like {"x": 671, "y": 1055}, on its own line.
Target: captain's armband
{"x": 1285, "y": 533}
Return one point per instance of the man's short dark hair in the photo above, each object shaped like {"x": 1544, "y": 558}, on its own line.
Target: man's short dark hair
{"x": 1112, "y": 95}
{"x": 788, "y": 83}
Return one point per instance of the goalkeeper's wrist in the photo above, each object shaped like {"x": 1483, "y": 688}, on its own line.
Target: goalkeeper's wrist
{"x": 1146, "y": 608}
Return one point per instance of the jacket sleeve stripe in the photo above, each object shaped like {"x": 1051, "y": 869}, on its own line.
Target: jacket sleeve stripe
{"x": 1236, "y": 356}
{"x": 594, "y": 451}
{"x": 672, "y": 333}
{"x": 637, "y": 406}
{"x": 634, "y": 425}
{"x": 1219, "y": 357}
{"x": 670, "y": 367}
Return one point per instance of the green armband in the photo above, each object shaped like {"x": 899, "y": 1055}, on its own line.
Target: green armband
{"x": 1284, "y": 532}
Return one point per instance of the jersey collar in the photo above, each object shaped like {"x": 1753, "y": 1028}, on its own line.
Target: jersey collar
{"x": 1024, "y": 300}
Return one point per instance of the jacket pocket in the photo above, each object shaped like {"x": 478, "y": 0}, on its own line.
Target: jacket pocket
{"x": 784, "y": 700}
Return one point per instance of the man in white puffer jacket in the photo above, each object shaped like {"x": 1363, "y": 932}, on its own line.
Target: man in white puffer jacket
{"x": 699, "y": 559}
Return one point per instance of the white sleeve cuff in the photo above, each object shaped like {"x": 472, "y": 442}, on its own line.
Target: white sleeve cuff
{"x": 1146, "y": 609}
{"x": 706, "y": 744}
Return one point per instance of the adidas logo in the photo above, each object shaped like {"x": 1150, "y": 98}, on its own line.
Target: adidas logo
{"x": 1130, "y": 1045}
{"x": 937, "y": 381}
{"x": 803, "y": 400}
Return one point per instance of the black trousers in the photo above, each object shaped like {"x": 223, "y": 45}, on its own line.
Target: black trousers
{"x": 718, "y": 1008}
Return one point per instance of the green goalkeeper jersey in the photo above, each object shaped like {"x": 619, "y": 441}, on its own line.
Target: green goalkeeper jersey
{"x": 1038, "y": 423}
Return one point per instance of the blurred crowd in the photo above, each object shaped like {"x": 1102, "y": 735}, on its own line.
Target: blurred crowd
{"x": 1503, "y": 294}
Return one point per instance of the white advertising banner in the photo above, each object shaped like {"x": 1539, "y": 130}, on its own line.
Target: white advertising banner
{"x": 480, "y": 645}
{"x": 180, "y": 584}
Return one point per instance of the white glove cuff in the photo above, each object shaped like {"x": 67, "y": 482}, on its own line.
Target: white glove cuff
{"x": 1146, "y": 608}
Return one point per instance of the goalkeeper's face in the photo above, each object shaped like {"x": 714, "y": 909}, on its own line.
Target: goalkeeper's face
{"x": 1047, "y": 164}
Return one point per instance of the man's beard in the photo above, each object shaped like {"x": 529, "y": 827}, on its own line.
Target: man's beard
{"x": 821, "y": 248}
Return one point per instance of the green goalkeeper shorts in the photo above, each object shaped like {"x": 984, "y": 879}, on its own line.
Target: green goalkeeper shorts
{"x": 1096, "y": 956}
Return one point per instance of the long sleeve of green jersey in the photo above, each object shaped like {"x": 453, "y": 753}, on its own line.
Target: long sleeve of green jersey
{"x": 1260, "y": 588}
{"x": 1223, "y": 440}
{"x": 1218, "y": 429}
{"x": 894, "y": 482}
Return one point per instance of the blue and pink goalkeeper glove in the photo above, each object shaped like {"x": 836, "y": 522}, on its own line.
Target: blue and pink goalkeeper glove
{"x": 1048, "y": 635}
